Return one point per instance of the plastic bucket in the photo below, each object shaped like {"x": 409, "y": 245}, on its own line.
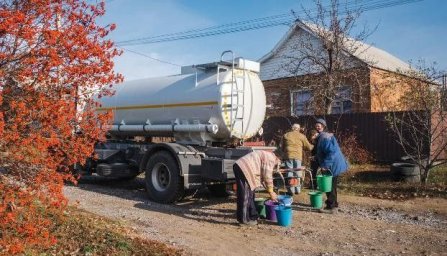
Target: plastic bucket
{"x": 324, "y": 182}
{"x": 285, "y": 200}
{"x": 284, "y": 215}
{"x": 270, "y": 210}
{"x": 260, "y": 207}
{"x": 316, "y": 199}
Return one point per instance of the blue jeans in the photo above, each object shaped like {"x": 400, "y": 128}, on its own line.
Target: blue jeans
{"x": 292, "y": 163}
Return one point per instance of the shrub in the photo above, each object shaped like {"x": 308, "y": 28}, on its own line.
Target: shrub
{"x": 353, "y": 150}
{"x": 53, "y": 57}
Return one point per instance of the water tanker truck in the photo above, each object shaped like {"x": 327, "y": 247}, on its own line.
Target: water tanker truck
{"x": 204, "y": 109}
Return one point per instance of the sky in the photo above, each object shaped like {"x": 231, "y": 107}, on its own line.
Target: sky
{"x": 410, "y": 32}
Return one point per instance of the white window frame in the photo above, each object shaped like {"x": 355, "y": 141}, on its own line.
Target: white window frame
{"x": 309, "y": 111}
{"x": 343, "y": 99}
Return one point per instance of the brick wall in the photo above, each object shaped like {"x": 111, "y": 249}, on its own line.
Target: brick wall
{"x": 278, "y": 96}
{"x": 374, "y": 90}
{"x": 278, "y": 91}
{"x": 386, "y": 90}
{"x": 439, "y": 132}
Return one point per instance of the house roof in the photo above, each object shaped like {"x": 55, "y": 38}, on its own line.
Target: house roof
{"x": 366, "y": 53}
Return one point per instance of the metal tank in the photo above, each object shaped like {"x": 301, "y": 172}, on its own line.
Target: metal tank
{"x": 206, "y": 103}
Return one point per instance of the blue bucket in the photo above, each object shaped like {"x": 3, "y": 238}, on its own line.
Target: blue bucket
{"x": 284, "y": 215}
{"x": 285, "y": 200}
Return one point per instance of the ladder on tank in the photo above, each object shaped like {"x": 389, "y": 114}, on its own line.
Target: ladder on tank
{"x": 235, "y": 91}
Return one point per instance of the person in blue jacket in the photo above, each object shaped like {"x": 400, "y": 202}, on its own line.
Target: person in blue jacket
{"x": 329, "y": 157}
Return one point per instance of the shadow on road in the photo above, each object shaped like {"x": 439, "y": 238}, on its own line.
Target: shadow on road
{"x": 198, "y": 205}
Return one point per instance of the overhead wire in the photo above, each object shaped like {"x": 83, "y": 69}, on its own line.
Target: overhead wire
{"x": 209, "y": 28}
{"x": 149, "y": 57}
{"x": 216, "y": 32}
{"x": 258, "y": 23}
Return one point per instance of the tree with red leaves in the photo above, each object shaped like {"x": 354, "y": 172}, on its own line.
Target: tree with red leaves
{"x": 53, "y": 58}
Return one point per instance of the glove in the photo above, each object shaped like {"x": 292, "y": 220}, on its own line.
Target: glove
{"x": 273, "y": 196}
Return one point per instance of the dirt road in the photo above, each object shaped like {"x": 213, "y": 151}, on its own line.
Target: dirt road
{"x": 202, "y": 225}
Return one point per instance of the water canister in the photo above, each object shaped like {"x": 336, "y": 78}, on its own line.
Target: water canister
{"x": 217, "y": 100}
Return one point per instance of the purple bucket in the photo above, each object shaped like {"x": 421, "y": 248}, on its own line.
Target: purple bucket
{"x": 270, "y": 210}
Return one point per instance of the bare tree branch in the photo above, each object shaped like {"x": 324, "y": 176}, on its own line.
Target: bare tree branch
{"x": 421, "y": 132}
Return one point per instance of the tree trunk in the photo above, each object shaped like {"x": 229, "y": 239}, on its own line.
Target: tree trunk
{"x": 424, "y": 175}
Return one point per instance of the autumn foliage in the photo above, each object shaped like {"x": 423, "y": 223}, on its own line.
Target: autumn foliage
{"x": 53, "y": 58}
{"x": 353, "y": 149}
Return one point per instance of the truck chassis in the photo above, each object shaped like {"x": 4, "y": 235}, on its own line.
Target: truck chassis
{"x": 171, "y": 169}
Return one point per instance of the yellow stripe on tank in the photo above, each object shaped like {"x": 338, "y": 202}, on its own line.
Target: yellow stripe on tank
{"x": 174, "y": 105}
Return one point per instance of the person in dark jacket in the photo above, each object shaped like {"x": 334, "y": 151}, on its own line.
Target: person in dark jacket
{"x": 329, "y": 157}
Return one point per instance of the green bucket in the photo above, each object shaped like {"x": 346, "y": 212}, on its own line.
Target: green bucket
{"x": 260, "y": 207}
{"x": 324, "y": 182}
{"x": 316, "y": 199}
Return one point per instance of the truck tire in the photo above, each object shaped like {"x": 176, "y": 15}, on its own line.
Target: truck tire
{"x": 218, "y": 190}
{"x": 163, "y": 181}
{"x": 82, "y": 171}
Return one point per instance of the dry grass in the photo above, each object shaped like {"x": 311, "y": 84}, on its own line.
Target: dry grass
{"x": 84, "y": 233}
{"x": 376, "y": 181}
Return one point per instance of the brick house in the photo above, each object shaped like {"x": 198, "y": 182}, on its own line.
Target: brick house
{"x": 371, "y": 70}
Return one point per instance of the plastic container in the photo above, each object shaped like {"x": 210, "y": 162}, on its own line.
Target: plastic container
{"x": 316, "y": 199}
{"x": 324, "y": 182}
{"x": 260, "y": 207}
{"x": 270, "y": 210}
{"x": 285, "y": 200}
{"x": 284, "y": 215}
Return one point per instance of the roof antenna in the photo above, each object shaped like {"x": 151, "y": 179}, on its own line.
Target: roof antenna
{"x": 293, "y": 12}
{"x": 295, "y": 16}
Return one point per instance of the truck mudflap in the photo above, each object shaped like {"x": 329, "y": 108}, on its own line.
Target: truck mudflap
{"x": 190, "y": 163}
{"x": 217, "y": 169}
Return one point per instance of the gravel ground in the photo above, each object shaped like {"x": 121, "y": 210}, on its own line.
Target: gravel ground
{"x": 203, "y": 225}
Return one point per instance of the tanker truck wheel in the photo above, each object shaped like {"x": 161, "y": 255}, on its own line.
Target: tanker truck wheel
{"x": 163, "y": 181}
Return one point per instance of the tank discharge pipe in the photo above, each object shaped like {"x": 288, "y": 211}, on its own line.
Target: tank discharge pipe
{"x": 209, "y": 128}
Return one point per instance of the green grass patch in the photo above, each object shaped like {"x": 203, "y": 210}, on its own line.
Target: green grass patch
{"x": 438, "y": 175}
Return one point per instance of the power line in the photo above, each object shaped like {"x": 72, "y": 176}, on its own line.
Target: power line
{"x": 281, "y": 19}
{"x": 211, "y": 33}
{"x": 270, "y": 21}
{"x": 149, "y": 57}
{"x": 210, "y": 28}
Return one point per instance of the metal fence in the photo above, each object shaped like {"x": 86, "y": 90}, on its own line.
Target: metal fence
{"x": 371, "y": 129}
